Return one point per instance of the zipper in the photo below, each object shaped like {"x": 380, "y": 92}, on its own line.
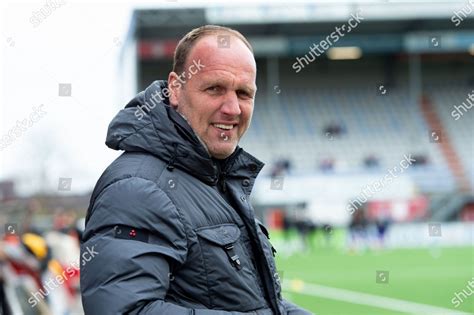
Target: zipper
{"x": 223, "y": 173}
{"x": 267, "y": 274}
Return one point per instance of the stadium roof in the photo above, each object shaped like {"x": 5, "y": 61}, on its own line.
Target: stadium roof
{"x": 288, "y": 29}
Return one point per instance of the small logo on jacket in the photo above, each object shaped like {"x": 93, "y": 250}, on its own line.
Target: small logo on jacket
{"x": 130, "y": 233}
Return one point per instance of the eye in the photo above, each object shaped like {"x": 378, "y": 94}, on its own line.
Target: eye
{"x": 244, "y": 95}
{"x": 215, "y": 89}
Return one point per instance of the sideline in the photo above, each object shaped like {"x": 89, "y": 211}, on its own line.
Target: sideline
{"x": 300, "y": 287}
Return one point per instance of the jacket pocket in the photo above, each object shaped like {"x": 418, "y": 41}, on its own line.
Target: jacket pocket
{"x": 226, "y": 236}
{"x": 231, "y": 277}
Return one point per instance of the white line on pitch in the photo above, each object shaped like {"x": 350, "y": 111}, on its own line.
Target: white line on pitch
{"x": 300, "y": 287}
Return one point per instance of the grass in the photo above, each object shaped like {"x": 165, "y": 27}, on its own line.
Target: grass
{"x": 427, "y": 276}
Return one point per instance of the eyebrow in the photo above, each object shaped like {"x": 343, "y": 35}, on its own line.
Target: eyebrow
{"x": 216, "y": 80}
{"x": 250, "y": 90}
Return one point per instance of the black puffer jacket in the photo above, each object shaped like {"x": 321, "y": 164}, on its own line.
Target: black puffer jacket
{"x": 174, "y": 232}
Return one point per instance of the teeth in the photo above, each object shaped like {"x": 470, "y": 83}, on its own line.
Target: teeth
{"x": 226, "y": 127}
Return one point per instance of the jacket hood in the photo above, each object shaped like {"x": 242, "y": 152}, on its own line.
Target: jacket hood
{"x": 149, "y": 124}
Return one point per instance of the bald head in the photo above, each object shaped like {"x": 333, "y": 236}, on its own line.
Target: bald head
{"x": 214, "y": 55}
{"x": 188, "y": 41}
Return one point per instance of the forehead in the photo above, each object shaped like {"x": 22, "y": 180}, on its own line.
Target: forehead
{"x": 236, "y": 59}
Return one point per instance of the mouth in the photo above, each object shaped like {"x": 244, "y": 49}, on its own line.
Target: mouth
{"x": 224, "y": 127}
{"x": 225, "y": 132}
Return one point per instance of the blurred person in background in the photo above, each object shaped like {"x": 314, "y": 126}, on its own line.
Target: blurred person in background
{"x": 64, "y": 242}
{"x": 4, "y": 307}
{"x": 305, "y": 227}
{"x": 287, "y": 225}
{"x": 282, "y": 167}
{"x": 382, "y": 223}
{"x": 29, "y": 273}
{"x": 171, "y": 218}
{"x": 358, "y": 234}
{"x": 327, "y": 230}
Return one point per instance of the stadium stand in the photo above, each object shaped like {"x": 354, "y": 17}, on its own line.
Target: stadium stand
{"x": 296, "y": 122}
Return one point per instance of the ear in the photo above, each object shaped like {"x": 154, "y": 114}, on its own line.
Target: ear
{"x": 174, "y": 86}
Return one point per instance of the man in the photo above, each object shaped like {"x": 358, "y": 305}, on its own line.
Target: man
{"x": 170, "y": 220}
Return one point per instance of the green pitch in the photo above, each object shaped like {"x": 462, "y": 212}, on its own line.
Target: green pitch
{"x": 428, "y": 277}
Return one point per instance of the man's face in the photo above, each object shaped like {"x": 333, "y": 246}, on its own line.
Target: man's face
{"x": 217, "y": 99}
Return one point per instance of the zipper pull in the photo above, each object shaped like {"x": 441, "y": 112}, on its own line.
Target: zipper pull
{"x": 233, "y": 257}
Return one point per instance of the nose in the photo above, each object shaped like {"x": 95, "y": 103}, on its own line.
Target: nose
{"x": 231, "y": 106}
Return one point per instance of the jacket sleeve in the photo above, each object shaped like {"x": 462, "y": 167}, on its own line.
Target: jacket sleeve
{"x": 292, "y": 309}
{"x": 125, "y": 272}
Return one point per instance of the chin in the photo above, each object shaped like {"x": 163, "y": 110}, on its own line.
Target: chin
{"x": 222, "y": 153}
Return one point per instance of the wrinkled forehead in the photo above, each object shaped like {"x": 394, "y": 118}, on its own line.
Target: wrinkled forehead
{"x": 223, "y": 50}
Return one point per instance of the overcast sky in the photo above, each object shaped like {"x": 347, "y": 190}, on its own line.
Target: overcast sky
{"x": 76, "y": 44}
